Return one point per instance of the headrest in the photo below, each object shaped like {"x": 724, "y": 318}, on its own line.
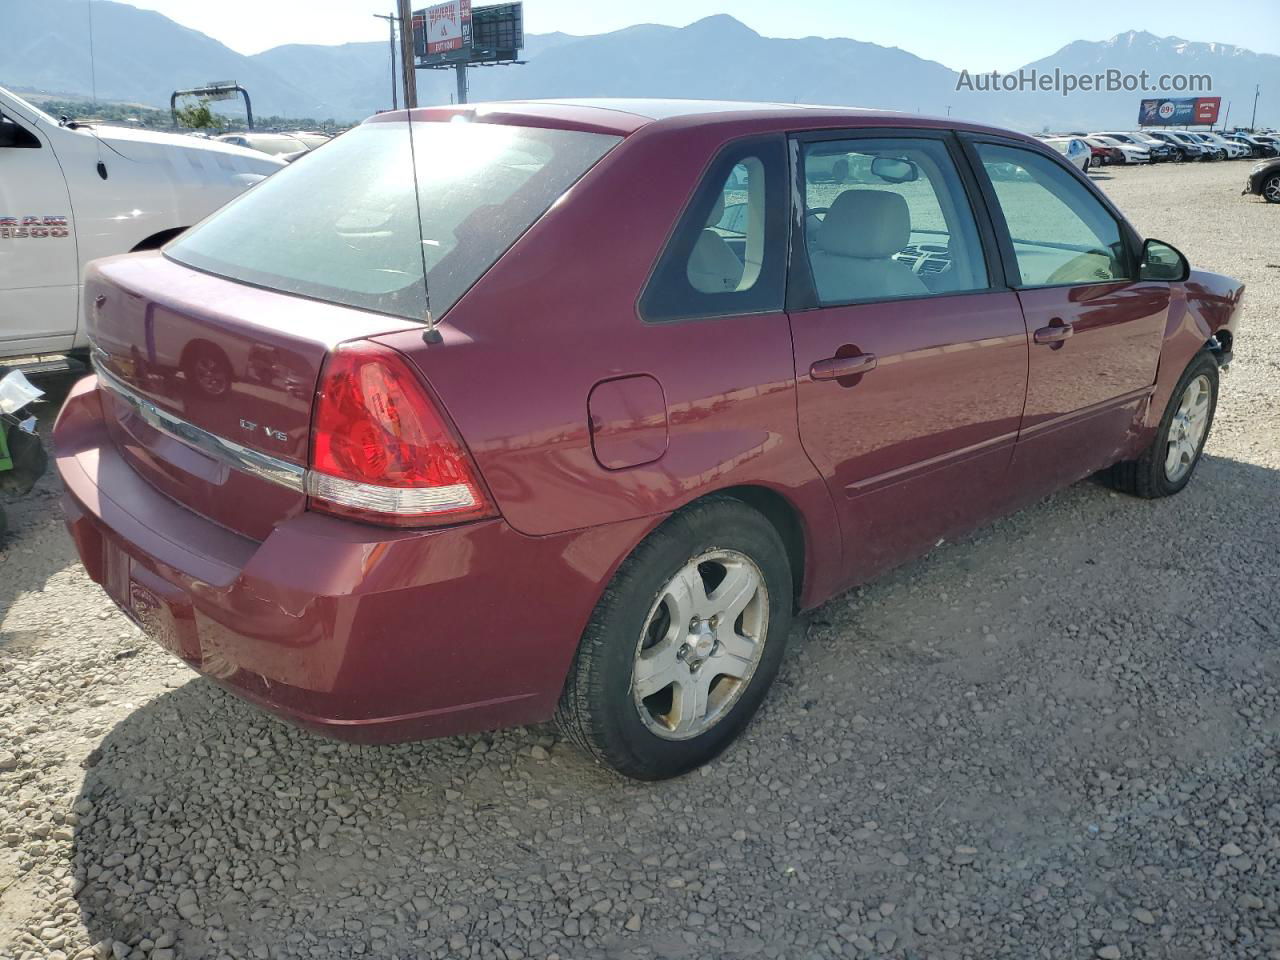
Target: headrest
{"x": 870, "y": 224}
{"x": 717, "y": 210}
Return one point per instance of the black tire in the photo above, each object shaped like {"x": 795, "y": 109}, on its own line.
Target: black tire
{"x": 597, "y": 710}
{"x": 1177, "y": 156}
{"x": 1271, "y": 188}
{"x": 1146, "y": 476}
{"x": 29, "y": 463}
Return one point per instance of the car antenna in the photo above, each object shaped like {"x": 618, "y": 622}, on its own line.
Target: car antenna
{"x": 430, "y": 334}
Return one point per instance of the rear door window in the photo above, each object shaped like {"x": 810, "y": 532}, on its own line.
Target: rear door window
{"x": 887, "y": 218}
{"x": 728, "y": 254}
{"x": 346, "y": 224}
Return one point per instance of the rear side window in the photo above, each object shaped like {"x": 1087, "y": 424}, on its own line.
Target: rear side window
{"x": 345, "y": 223}
{"x": 728, "y": 253}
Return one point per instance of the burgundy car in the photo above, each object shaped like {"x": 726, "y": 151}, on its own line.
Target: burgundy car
{"x": 492, "y": 413}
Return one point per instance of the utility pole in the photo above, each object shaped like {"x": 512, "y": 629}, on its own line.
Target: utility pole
{"x": 1257, "y": 88}
{"x": 395, "y": 83}
{"x": 406, "y": 55}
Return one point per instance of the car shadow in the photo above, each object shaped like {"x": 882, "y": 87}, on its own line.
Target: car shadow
{"x": 200, "y": 817}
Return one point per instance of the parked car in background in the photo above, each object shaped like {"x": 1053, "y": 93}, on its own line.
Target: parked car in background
{"x": 1257, "y": 148}
{"x": 1074, "y": 149}
{"x": 1264, "y": 180}
{"x": 1103, "y": 153}
{"x": 1172, "y": 152}
{"x": 71, "y": 191}
{"x": 1123, "y": 152}
{"x": 383, "y": 546}
{"x": 1268, "y": 140}
{"x": 1219, "y": 151}
{"x": 1129, "y": 152}
{"x": 1233, "y": 150}
{"x": 1158, "y": 151}
{"x": 286, "y": 146}
{"x": 1189, "y": 147}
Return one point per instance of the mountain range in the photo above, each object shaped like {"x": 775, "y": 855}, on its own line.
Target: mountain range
{"x": 142, "y": 56}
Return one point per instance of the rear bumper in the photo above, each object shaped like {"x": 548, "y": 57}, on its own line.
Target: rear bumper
{"x": 362, "y": 633}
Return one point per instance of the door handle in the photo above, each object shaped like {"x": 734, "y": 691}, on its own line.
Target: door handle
{"x": 1056, "y": 332}
{"x": 836, "y": 368}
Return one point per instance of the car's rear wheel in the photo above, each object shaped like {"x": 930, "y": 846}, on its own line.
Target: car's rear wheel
{"x": 1166, "y": 466}
{"x": 684, "y": 643}
{"x": 1271, "y": 188}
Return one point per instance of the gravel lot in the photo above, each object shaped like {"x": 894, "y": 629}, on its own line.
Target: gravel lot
{"x": 1055, "y": 739}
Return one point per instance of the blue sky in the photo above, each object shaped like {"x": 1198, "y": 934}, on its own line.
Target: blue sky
{"x": 976, "y": 35}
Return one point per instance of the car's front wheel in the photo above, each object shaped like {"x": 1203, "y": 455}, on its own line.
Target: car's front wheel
{"x": 1271, "y": 188}
{"x": 1166, "y": 466}
{"x": 683, "y": 644}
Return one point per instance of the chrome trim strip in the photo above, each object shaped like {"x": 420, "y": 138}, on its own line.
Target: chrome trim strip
{"x": 224, "y": 451}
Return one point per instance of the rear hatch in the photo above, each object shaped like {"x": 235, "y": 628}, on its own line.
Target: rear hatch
{"x": 211, "y": 351}
{"x": 196, "y": 368}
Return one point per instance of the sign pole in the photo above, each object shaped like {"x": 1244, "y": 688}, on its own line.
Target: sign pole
{"x": 407, "y": 55}
{"x": 1253, "y": 121}
{"x": 395, "y": 83}
{"x": 462, "y": 82}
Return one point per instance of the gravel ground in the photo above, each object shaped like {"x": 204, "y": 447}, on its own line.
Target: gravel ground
{"x": 1055, "y": 739}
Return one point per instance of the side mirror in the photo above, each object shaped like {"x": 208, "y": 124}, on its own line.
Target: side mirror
{"x": 1163, "y": 262}
{"x": 8, "y": 133}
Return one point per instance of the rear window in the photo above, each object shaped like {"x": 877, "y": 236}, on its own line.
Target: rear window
{"x": 343, "y": 224}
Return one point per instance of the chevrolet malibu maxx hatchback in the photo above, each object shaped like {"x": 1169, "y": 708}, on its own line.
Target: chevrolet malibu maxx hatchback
{"x": 505, "y": 412}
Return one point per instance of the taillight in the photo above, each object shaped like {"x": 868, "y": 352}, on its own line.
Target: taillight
{"x": 381, "y": 450}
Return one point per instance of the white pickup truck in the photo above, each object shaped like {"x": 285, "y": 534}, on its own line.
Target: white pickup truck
{"x": 71, "y": 192}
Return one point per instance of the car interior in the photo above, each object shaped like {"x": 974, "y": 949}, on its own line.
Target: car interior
{"x": 882, "y": 221}
{"x": 729, "y": 252}
{"x": 876, "y": 225}
{"x": 1061, "y": 234}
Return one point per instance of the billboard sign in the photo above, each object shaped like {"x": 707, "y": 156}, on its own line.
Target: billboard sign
{"x": 497, "y": 32}
{"x": 1187, "y": 111}
{"x": 442, "y": 29}
{"x": 220, "y": 90}
{"x": 448, "y": 34}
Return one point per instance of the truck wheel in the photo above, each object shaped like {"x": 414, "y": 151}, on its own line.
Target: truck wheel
{"x": 683, "y": 644}
{"x": 30, "y": 460}
{"x": 1166, "y": 466}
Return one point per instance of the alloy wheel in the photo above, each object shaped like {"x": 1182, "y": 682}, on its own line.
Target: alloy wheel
{"x": 700, "y": 645}
{"x": 1271, "y": 189}
{"x": 1187, "y": 428}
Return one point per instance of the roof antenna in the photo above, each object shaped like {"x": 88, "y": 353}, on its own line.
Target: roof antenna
{"x": 93, "y": 68}
{"x": 430, "y": 334}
